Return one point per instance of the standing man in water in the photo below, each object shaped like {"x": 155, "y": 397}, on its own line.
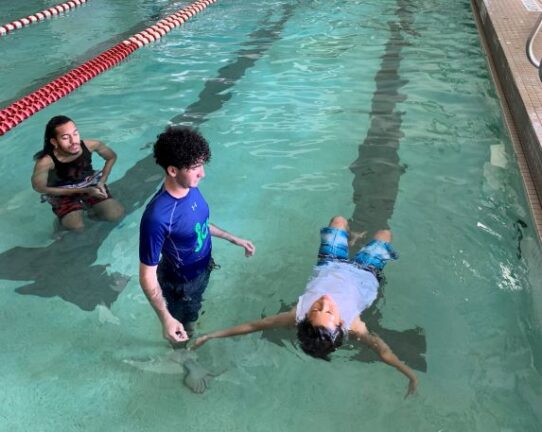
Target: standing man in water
{"x": 174, "y": 243}
{"x": 63, "y": 173}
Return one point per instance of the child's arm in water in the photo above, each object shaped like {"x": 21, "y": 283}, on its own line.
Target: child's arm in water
{"x": 373, "y": 341}
{"x": 284, "y": 319}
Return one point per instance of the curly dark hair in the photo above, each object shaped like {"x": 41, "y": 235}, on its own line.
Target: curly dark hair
{"x": 319, "y": 341}
{"x": 181, "y": 147}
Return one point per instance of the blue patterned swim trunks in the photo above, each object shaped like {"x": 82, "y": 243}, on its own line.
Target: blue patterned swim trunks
{"x": 372, "y": 257}
{"x": 375, "y": 255}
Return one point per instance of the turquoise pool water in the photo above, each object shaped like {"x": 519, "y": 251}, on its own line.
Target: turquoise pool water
{"x": 382, "y": 111}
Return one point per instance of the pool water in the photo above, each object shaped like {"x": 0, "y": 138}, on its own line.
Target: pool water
{"x": 382, "y": 111}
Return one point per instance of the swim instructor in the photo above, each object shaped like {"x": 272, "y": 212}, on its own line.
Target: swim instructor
{"x": 175, "y": 234}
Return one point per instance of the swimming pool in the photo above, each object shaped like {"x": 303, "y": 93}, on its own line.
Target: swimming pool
{"x": 375, "y": 110}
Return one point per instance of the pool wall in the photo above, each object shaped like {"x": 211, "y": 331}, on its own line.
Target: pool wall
{"x": 505, "y": 26}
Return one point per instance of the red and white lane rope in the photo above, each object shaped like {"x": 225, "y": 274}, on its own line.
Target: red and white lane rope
{"x": 20, "y": 110}
{"x": 164, "y": 26}
{"x": 40, "y": 16}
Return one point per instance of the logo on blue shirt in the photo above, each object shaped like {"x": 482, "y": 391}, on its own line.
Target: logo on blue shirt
{"x": 202, "y": 231}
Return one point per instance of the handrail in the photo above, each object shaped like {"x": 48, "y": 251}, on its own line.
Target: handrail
{"x": 529, "y": 47}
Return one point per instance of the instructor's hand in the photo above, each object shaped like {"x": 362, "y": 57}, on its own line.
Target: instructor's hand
{"x": 247, "y": 245}
{"x": 174, "y": 331}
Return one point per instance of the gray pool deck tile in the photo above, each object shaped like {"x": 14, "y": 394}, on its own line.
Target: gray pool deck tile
{"x": 506, "y": 26}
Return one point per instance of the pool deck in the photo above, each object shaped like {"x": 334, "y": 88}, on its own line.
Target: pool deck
{"x": 505, "y": 26}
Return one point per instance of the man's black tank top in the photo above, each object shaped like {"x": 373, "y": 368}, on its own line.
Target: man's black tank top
{"x": 66, "y": 173}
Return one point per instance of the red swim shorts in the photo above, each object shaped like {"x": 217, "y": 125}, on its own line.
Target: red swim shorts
{"x": 64, "y": 204}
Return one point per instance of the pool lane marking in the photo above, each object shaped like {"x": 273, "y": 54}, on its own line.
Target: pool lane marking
{"x": 214, "y": 93}
{"x": 40, "y": 16}
{"x": 378, "y": 168}
{"x": 27, "y": 106}
{"x": 377, "y": 173}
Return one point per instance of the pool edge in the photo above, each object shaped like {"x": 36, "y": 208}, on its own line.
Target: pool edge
{"x": 513, "y": 75}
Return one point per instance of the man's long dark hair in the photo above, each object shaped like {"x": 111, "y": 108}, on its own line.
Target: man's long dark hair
{"x": 50, "y": 132}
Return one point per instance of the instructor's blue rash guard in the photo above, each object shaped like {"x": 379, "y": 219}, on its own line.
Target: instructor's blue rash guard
{"x": 179, "y": 230}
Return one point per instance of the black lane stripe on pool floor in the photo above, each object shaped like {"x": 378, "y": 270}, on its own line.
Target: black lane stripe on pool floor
{"x": 377, "y": 169}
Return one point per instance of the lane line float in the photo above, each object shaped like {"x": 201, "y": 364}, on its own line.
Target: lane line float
{"x": 40, "y": 16}
{"x": 27, "y": 106}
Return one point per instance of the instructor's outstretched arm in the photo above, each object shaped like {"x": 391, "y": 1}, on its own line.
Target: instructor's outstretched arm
{"x": 247, "y": 245}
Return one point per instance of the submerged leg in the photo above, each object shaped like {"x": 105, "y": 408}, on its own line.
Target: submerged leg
{"x": 109, "y": 210}
{"x": 339, "y": 222}
{"x": 383, "y": 235}
{"x": 73, "y": 221}
{"x": 197, "y": 378}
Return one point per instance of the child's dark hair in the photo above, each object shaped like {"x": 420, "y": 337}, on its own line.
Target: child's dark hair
{"x": 50, "y": 132}
{"x": 181, "y": 147}
{"x": 319, "y": 341}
